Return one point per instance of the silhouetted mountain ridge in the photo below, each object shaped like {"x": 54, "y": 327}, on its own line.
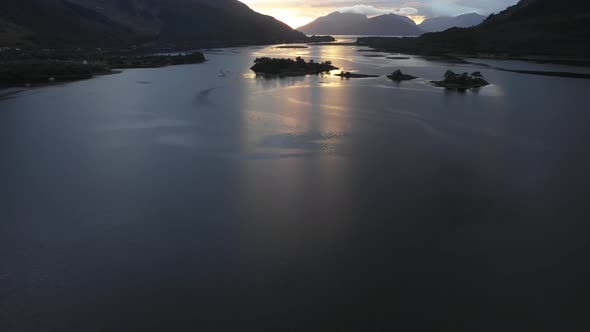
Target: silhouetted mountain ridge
{"x": 531, "y": 27}
{"x": 125, "y": 22}
{"x": 443, "y": 23}
{"x": 358, "y": 24}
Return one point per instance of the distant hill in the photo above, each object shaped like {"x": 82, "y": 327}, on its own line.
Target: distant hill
{"x": 443, "y": 23}
{"x": 104, "y": 23}
{"x": 531, "y": 27}
{"x": 358, "y": 24}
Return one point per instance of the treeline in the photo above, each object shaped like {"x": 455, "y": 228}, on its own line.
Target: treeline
{"x": 31, "y": 72}
{"x": 46, "y": 66}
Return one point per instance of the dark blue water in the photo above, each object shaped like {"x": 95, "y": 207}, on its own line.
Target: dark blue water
{"x": 183, "y": 199}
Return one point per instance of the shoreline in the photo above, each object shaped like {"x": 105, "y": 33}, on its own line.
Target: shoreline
{"x": 147, "y": 58}
{"x": 417, "y": 46}
{"x": 16, "y": 63}
{"x": 29, "y": 70}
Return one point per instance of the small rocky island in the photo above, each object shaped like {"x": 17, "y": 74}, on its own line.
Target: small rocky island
{"x": 462, "y": 81}
{"x": 352, "y": 75}
{"x": 398, "y": 76}
{"x": 289, "y": 67}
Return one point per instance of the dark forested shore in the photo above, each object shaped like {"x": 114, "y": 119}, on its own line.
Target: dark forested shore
{"x": 22, "y": 67}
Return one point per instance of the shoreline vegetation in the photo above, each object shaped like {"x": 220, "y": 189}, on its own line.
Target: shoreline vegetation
{"x": 53, "y": 66}
{"x": 273, "y": 67}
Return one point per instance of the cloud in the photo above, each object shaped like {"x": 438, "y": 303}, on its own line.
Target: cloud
{"x": 433, "y": 8}
{"x": 372, "y": 11}
{"x": 300, "y": 12}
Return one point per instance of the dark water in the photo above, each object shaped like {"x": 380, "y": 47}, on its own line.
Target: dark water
{"x": 181, "y": 199}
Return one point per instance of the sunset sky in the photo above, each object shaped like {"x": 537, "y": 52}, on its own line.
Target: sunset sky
{"x": 300, "y": 12}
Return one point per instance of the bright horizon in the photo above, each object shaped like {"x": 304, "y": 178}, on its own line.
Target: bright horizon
{"x": 297, "y": 13}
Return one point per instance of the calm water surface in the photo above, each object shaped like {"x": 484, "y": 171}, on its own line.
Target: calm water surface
{"x": 199, "y": 197}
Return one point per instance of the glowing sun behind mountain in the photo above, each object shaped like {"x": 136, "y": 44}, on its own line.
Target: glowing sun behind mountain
{"x": 292, "y": 17}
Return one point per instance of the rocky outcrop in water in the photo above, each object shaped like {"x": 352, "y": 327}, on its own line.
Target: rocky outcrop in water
{"x": 398, "y": 76}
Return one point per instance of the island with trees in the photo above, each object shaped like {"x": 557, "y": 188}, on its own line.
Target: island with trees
{"x": 462, "y": 81}
{"x": 288, "y": 67}
{"x": 320, "y": 39}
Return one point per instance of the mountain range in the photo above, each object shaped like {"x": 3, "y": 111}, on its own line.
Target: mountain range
{"x": 358, "y": 24}
{"x": 531, "y": 27}
{"x": 105, "y": 23}
{"x": 443, "y": 23}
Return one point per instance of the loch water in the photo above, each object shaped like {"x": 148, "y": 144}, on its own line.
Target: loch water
{"x": 204, "y": 198}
